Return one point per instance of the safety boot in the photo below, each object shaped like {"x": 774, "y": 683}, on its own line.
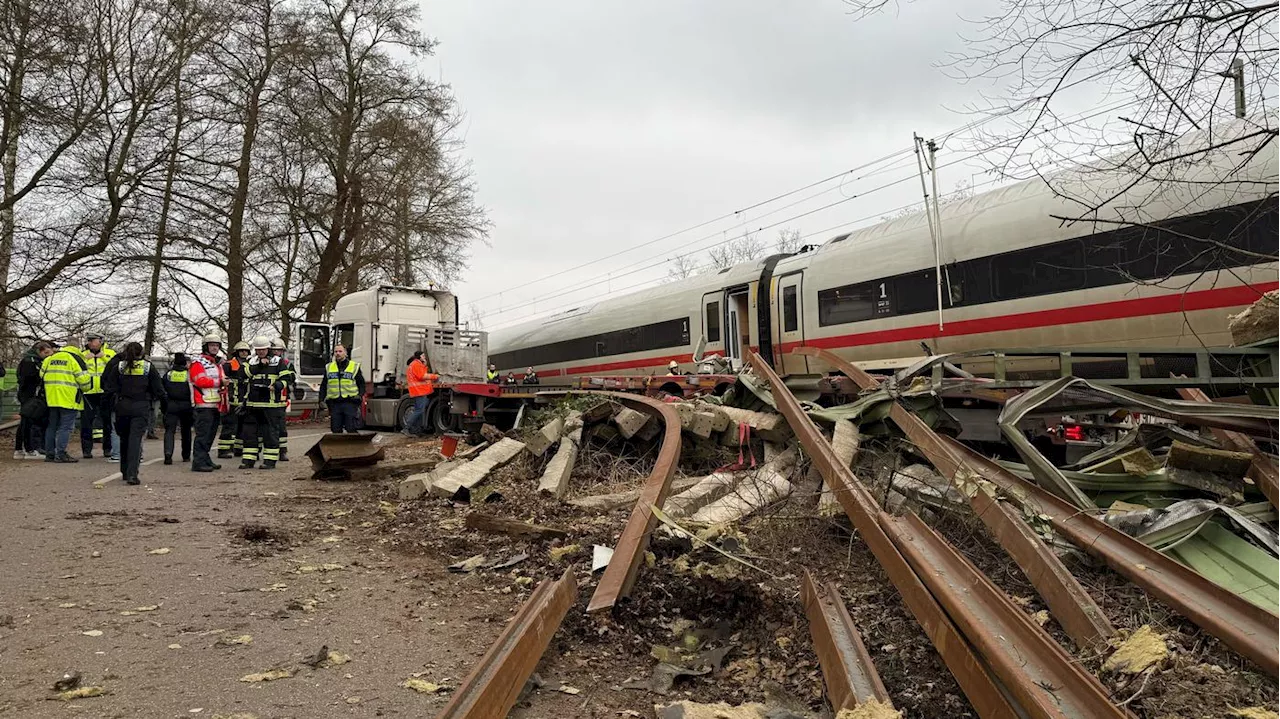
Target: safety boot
{"x": 225, "y": 454}
{"x": 268, "y": 464}
{"x": 246, "y": 464}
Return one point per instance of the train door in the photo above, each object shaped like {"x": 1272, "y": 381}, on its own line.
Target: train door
{"x": 713, "y": 324}
{"x": 738, "y": 327}
{"x": 789, "y": 324}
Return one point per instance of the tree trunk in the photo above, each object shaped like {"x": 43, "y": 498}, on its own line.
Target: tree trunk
{"x": 162, "y": 226}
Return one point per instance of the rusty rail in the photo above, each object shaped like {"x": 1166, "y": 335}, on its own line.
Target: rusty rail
{"x": 628, "y": 554}
{"x": 1263, "y": 470}
{"x": 986, "y": 696}
{"x": 1081, "y": 617}
{"x": 846, "y": 666}
{"x": 491, "y": 689}
{"x": 1242, "y": 625}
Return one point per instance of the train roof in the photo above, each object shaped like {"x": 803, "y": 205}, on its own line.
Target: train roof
{"x": 988, "y": 223}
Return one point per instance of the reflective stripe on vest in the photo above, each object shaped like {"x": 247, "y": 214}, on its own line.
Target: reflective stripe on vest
{"x": 138, "y": 368}
{"x": 341, "y": 384}
{"x": 63, "y": 380}
{"x": 95, "y": 365}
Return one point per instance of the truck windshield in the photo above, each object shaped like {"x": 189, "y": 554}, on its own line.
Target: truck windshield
{"x": 345, "y": 335}
{"x": 313, "y": 348}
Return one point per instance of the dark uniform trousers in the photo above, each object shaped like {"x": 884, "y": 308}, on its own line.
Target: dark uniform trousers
{"x": 260, "y": 434}
{"x": 173, "y": 421}
{"x": 204, "y": 421}
{"x": 97, "y": 411}
{"x": 131, "y": 429}
{"x": 231, "y": 437}
{"x": 344, "y": 416}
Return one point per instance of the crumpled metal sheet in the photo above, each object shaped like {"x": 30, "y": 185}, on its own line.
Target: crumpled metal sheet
{"x": 1160, "y": 528}
{"x": 1080, "y": 391}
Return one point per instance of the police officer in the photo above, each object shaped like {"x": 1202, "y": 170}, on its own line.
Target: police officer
{"x": 492, "y": 376}
{"x": 176, "y": 405}
{"x": 290, "y": 378}
{"x": 261, "y": 393}
{"x": 230, "y": 441}
{"x": 342, "y": 389}
{"x": 65, "y": 380}
{"x": 95, "y": 420}
{"x": 134, "y": 386}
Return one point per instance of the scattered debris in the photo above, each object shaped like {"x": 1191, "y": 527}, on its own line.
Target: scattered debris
{"x": 600, "y": 557}
{"x": 92, "y": 633}
{"x": 873, "y": 709}
{"x": 68, "y": 681}
{"x": 161, "y": 550}
{"x": 327, "y": 567}
{"x": 1142, "y": 650}
{"x": 479, "y": 522}
{"x": 470, "y": 564}
{"x": 267, "y": 676}
{"x": 423, "y": 686}
{"x": 555, "y": 478}
{"x": 237, "y": 641}
{"x": 1257, "y": 322}
{"x": 471, "y": 474}
{"x": 558, "y": 554}
{"x": 81, "y": 693}
{"x": 325, "y": 658}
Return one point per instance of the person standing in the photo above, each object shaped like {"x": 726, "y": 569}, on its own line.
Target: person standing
{"x": 65, "y": 380}
{"x": 133, "y": 386}
{"x": 492, "y": 376}
{"x": 95, "y": 422}
{"x": 208, "y": 402}
{"x": 261, "y": 395}
{"x": 29, "y": 439}
{"x": 530, "y": 377}
{"x": 230, "y": 442}
{"x": 421, "y": 386}
{"x": 176, "y": 405}
{"x": 280, "y": 415}
{"x": 342, "y": 390}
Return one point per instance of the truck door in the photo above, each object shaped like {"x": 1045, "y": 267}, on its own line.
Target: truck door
{"x": 313, "y": 349}
{"x": 789, "y": 324}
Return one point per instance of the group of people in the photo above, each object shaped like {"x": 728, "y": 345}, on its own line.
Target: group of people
{"x": 492, "y": 376}
{"x": 113, "y": 395}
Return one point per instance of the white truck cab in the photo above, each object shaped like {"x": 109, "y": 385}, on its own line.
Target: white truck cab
{"x": 381, "y": 328}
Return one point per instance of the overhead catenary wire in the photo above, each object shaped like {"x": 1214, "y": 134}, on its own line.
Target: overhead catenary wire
{"x": 608, "y": 278}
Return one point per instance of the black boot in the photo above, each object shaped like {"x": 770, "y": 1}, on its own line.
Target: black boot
{"x": 168, "y": 459}
{"x": 246, "y": 464}
{"x": 284, "y": 455}
{"x": 225, "y": 454}
{"x": 268, "y": 464}
{"x": 132, "y": 480}
{"x": 65, "y": 458}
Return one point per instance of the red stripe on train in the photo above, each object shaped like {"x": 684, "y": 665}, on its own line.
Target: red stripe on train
{"x": 1240, "y": 295}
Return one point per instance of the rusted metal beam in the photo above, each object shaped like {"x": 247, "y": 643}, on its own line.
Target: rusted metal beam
{"x": 1242, "y": 625}
{"x": 1042, "y": 677}
{"x": 491, "y": 689}
{"x": 628, "y": 554}
{"x": 1263, "y": 471}
{"x": 850, "y": 675}
{"x": 987, "y": 697}
{"x": 1070, "y": 604}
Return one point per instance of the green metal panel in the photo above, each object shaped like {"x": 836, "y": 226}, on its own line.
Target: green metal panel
{"x": 1232, "y": 563}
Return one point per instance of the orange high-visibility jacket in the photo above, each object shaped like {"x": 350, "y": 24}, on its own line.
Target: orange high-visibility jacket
{"x": 420, "y": 379}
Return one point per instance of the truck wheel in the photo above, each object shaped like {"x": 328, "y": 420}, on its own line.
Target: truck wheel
{"x": 442, "y": 419}
{"x": 403, "y": 410}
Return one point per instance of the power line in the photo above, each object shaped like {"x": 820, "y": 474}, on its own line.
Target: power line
{"x": 609, "y": 277}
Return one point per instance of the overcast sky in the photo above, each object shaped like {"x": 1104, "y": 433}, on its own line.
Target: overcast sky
{"x": 594, "y": 126}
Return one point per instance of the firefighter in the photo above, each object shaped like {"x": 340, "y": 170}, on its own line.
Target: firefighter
{"x": 230, "y": 443}
{"x": 420, "y": 381}
{"x": 492, "y": 376}
{"x": 262, "y": 392}
{"x": 342, "y": 389}
{"x": 66, "y": 378}
{"x": 530, "y": 377}
{"x": 290, "y": 378}
{"x": 95, "y": 420}
{"x": 176, "y": 406}
{"x": 208, "y": 402}
{"x": 134, "y": 386}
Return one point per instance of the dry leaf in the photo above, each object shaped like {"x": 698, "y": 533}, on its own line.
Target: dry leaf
{"x": 162, "y": 550}
{"x": 67, "y": 605}
{"x": 422, "y": 686}
{"x": 270, "y": 676}
{"x": 81, "y": 693}
{"x": 309, "y": 568}
{"x": 234, "y": 641}
{"x": 93, "y": 633}
{"x": 566, "y": 689}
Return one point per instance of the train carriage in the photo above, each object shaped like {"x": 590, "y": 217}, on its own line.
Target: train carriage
{"x": 1162, "y": 264}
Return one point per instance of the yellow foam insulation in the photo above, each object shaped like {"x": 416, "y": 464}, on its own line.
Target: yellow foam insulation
{"x": 1254, "y": 713}
{"x": 870, "y": 710}
{"x": 1142, "y": 650}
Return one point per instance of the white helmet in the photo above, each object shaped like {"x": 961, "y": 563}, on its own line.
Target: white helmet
{"x": 210, "y": 339}
{"x": 261, "y": 342}
{"x": 277, "y": 343}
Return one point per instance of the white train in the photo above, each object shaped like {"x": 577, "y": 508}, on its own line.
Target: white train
{"x": 1013, "y": 276}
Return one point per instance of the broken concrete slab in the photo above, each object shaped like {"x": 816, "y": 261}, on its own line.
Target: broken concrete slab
{"x": 1257, "y": 322}
{"x": 769, "y": 426}
{"x": 757, "y": 490}
{"x": 555, "y": 478}
{"x": 702, "y": 424}
{"x": 630, "y": 421}
{"x": 409, "y": 487}
{"x": 844, "y": 442}
{"x": 706, "y": 490}
{"x": 618, "y": 500}
{"x": 719, "y": 420}
{"x": 471, "y": 474}
{"x": 412, "y": 488}
{"x": 539, "y": 442}
{"x": 600, "y": 411}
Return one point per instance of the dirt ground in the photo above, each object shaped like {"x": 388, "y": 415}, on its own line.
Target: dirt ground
{"x": 297, "y": 565}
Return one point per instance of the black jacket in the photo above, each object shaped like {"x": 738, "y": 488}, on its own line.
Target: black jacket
{"x": 29, "y": 381}
{"x": 177, "y": 395}
{"x": 132, "y": 395}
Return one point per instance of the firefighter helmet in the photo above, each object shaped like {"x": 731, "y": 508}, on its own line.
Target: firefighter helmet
{"x": 211, "y": 340}
{"x": 261, "y": 342}
{"x": 277, "y": 343}
{"x": 241, "y": 345}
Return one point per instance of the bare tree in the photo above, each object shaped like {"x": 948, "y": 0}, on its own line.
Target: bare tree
{"x": 683, "y": 267}
{"x": 789, "y": 241}
{"x": 741, "y": 249}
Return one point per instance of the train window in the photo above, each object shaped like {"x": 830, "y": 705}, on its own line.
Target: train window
{"x": 915, "y": 292}
{"x": 1039, "y": 270}
{"x": 713, "y": 321}
{"x": 790, "y": 309}
{"x": 853, "y": 303}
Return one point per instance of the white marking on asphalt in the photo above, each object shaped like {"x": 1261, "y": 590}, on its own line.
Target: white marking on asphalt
{"x": 117, "y": 475}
